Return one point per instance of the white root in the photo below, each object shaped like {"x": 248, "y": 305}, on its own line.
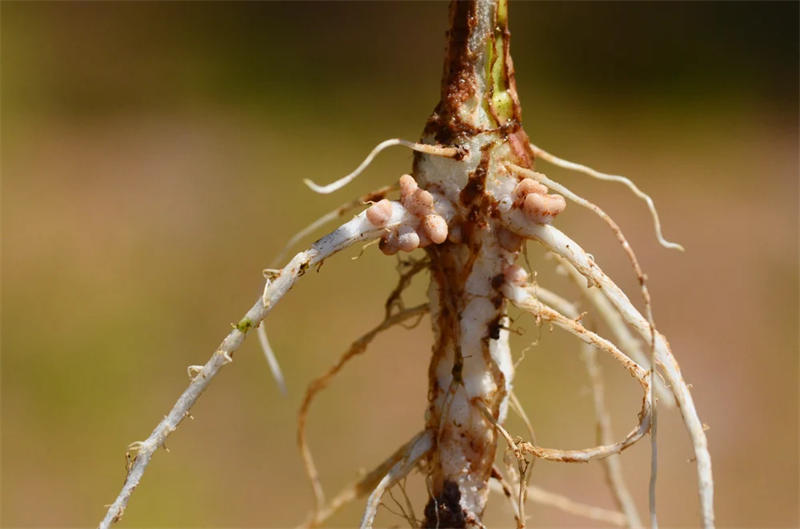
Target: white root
{"x": 647, "y": 305}
{"x": 356, "y": 230}
{"x": 542, "y": 179}
{"x": 436, "y": 150}
{"x": 272, "y": 360}
{"x": 269, "y": 354}
{"x": 560, "y": 162}
{"x": 468, "y": 200}
{"x": 555, "y": 186}
{"x": 653, "y": 469}
{"x": 318, "y": 384}
{"x": 418, "y": 448}
{"x": 523, "y": 299}
{"x": 559, "y": 303}
{"x": 626, "y": 341}
{"x": 557, "y": 242}
{"x": 329, "y": 217}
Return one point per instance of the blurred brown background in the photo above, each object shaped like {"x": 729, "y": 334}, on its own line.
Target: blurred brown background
{"x": 152, "y": 160}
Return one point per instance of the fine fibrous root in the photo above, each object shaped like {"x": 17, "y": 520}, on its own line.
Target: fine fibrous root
{"x": 517, "y": 407}
{"x": 539, "y": 178}
{"x": 521, "y": 473}
{"x": 407, "y": 269}
{"x": 407, "y": 510}
{"x": 560, "y": 162}
{"x": 317, "y": 385}
{"x": 557, "y": 242}
{"x": 416, "y": 450}
{"x": 361, "y": 488}
{"x": 563, "y": 503}
{"x": 505, "y": 488}
{"x": 272, "y": 360}
{"x": 611, "y": 464}
{"x": 524, "y": 466}
{"x": 525, "y": 300}
{"x": 628, "y": 343}
{"x": 436, "y": 150}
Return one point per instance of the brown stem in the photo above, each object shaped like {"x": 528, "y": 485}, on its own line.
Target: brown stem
{"x": 478, "y": 91}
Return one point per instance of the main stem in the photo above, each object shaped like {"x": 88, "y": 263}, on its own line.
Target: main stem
{"x": 471, "y": 369}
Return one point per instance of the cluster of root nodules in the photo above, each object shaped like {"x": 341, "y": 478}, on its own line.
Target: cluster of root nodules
{"x": 532, "y": 197}
{"x": 430, "y": 228}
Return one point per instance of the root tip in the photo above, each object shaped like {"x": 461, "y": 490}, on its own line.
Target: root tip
{"x": 316, "y": 188}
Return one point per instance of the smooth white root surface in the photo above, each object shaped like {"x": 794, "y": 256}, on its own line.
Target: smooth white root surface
{"x": 272, "y": 360}
{"x": 566, "y": 164}
{"x": 436, "y": 150}
{"x": 557, "y": 242}
{"x": 356, "y": 230}
{"x": 417, "y": 449}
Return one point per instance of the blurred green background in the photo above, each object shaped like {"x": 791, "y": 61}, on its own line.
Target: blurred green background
{"x": 152, "y": 163}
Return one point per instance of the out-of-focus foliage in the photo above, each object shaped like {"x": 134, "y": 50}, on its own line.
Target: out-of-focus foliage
{"x": 152, "y": 159}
